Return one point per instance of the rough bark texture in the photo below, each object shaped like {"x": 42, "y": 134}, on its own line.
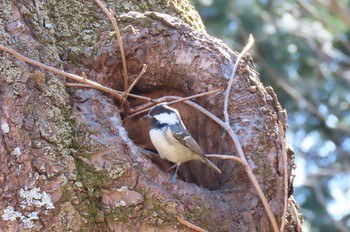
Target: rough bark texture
{"x": 69, "y": 162}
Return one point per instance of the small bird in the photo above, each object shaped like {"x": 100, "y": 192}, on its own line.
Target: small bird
{"x": 172, "y": 140}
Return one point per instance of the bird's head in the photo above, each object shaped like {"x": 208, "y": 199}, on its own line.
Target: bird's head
{"x": 164, "y": 114}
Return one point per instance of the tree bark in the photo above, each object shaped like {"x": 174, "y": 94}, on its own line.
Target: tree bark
{"x": 70, "y": 163}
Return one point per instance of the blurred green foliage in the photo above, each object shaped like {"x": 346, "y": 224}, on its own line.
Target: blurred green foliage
{"x": 302, "y": 49}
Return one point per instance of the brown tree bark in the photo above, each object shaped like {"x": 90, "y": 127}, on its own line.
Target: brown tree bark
{"x": 70, "y": 163}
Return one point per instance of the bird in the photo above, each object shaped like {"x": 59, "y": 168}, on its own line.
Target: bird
{"x": 172, "y": 140}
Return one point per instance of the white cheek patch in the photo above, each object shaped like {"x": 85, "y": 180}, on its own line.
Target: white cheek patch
{"x": 166, "y": 118}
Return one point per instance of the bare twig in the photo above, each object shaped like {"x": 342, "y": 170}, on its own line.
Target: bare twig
{"x": 77, "y": 85}
{"x": 250, "y": 173}
{"x": 110, "y": 14}
{"x": 77, "y": 78}
{"x": 144, "y": 69}
{"x": 234, "y": 69}
{"x": 227, "y": 127}
{"x": 120, "y": 92}
{"x": 190, "y": 225}
{"x": 146, "y": 107}
{"x": 194, "y": 96}
{"x": 225, "y": 157}
{"x": 285, "y": 175}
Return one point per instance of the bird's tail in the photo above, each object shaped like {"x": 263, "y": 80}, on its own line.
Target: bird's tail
{"x": 213, "y": 166}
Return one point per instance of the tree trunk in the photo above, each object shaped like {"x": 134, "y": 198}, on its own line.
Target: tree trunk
{"x": 69, "y": 162}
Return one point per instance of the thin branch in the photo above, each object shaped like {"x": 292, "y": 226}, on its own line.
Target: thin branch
{"x": 146, "y": 107}
{"x": 285, "y": 175}
{"x": 144, "y": 69}
{"x": 243, "y": 158}
{"x": 234, "y": 70}
{"x": 110, "y": 14}
{"x": 120, "y": 92}
{"x": 227, "y": 127}
{"x": 194, "y": 96}
{"x": 77, "y": 85}
{"x": 225, "y": 157}
{"x": 77, "y": 78}
{"x": 190, "y": 225}
{"x": 241, "y": 154}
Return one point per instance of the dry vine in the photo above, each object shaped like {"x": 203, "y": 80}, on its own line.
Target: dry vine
{"x": 147, "y": 106}
{"x": 230, "y": 81}
{"x": 144, "y": 69}
{"x": 110, "y": 14}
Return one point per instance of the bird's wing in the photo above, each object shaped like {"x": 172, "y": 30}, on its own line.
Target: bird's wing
{"x": 185, "y": 138}
{"x": 189, "y": 142}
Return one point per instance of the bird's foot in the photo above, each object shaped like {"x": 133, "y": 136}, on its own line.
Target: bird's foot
{"x": 171, "y": 168}
{"x": 172, "y": 179}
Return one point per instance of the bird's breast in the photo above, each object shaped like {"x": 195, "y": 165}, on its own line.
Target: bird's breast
{"x": 168, "y": 147}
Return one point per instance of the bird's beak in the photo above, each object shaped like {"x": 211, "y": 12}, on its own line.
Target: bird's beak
{"x": 147, "y": 116}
